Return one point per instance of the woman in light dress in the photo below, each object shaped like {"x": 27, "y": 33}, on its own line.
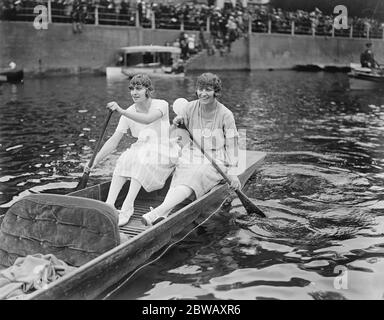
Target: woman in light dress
{"x": 151, "y": 159}
{"x": 213, "y": 127}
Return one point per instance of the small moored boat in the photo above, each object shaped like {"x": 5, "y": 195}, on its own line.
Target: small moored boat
{"x": 11, "y": 75}
{"x": 94, "y": 277}
{"x": 162, "y": 61}
{"x": 365, "y": 78}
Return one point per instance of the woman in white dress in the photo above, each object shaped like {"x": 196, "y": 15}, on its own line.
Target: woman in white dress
{"x": 213, "y": 126}
{"x": 151, "y": 159}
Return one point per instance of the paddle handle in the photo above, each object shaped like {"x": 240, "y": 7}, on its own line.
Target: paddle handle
{"x": 247, "y": 203}
{"x": 84, "y": 179}
{"x": 249, "y": 206}
{"x": 90, "y": 164}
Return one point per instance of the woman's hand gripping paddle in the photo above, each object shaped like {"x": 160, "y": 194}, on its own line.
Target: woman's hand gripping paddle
{"x": 249, "y": 206}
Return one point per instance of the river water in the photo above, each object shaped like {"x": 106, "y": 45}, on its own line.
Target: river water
{"x": 321, "y": 184}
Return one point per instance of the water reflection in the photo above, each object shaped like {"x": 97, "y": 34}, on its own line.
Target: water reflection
{"x": 321, "y": 185}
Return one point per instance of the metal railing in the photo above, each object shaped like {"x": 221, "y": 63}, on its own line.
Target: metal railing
{"x": 321, "y": 29}
{"x": 100, "y": 15}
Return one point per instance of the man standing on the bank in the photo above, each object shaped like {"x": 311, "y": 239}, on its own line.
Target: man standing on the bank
{"x": 367, "y": 59}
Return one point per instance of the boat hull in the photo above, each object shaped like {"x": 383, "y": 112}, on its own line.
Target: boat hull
{"x": 12, "y": 76}
{"x": 120, "y": 73}
{"x": 92, "y": 279}
{"x": 365, "y": 78}
{"x": 356, "y": 83}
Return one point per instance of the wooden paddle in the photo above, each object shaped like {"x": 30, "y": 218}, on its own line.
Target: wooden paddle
{"x": 249, "y": 206}
{"x": 84, "y": 179}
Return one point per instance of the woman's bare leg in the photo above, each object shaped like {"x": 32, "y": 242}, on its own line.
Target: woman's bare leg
{"x": 134, "y": 189}
{"x": 174, "y": 196}
{"x": 114, "y": 190}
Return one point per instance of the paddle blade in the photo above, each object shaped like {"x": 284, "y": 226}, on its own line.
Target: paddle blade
{"x": 83, "y": 181}
{"x": 249, "y": 206}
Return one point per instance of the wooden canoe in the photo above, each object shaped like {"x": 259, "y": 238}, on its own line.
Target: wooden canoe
{"x": 93, "y": 278}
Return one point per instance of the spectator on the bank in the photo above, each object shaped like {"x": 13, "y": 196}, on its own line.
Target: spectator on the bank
{"x": 192, "y": 44}
{"x": 78, "y": 15}
{"x": 314, "y": 17}
{"x": 239, "y": 19}
{"x": 140, "y": 7}
{"x": 75, "y": 16}
{"x": 120, "y": 59}
{"x": 176, "y": 43}
{"x": 183, "y": 39}
{"x": 210, "y": 46}
{"x": 202, "y": 42}
{"x": 232, "y": 32}
{"x": 219, "y": 44}
{"x": 367, "y": 58}
{"x": 178, "y": 66}
{"x": 8, "y": 10}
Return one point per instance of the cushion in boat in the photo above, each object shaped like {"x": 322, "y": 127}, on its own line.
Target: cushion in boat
{"x": 76, "y": 230}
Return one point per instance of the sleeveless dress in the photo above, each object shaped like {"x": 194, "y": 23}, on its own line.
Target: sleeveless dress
{"x": 151, "y": 159}
{"x": 193, "y": 169}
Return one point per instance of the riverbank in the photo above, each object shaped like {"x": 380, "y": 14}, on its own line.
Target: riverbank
{"x": 261, "y": 51}
{"x": 58, "y": 51}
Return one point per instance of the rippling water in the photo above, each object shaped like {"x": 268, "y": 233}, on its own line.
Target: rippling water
{"x": 321, "y": 184}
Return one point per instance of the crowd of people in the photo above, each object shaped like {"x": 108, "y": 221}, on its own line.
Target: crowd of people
{"x": 315, "y": 22}
{"x": 225, "y": 24}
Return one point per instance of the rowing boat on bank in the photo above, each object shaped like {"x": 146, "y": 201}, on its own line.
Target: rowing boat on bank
{"x": 365, "y": 78}
{"x": 94, "y": 277}
{"x": 11, "y": 75}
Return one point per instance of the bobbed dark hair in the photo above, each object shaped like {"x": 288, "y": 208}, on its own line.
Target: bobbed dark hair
{"x": 142, "y": 79}
{"x": 209, "y": 79}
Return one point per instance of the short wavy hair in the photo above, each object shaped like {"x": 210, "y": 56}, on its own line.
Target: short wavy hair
{"x": 142, "y": 80}
{"x": 209, "y": 80}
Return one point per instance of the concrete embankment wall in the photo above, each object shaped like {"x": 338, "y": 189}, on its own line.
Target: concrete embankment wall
{"x": 59, "y": 50}
{"x": 285, "y": 51}
{"x": 279, "y": 51}
{"x": 236, "y": 59}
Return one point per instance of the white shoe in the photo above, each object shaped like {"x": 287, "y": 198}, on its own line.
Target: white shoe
{"x": 151, "y": 218}
{"x": 124, "y": 216}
